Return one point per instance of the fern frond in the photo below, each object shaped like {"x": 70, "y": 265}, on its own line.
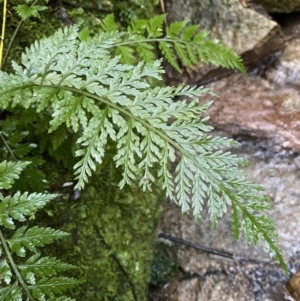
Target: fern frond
{"x": 36, "y": 269}
{"x": 181, "y": 41}
{"x": 100, "y": 98}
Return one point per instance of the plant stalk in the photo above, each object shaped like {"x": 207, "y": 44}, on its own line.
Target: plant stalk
{"x": 3, "y": 31}
{"x": 14, "y": 267}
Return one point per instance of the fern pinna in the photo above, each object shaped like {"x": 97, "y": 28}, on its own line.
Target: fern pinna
{"x": 83, "y": 85}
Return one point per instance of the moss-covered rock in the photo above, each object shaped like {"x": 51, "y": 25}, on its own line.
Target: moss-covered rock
{"x": 113, "y": 234}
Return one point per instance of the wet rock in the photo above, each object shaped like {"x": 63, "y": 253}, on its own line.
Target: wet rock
{"x": 293, "y": 286}
{"x": 253, "y": 107}
{"x": 188, "y": 289}
{"x": 287, "y": 69}
{"x": 223, "y": 279}
{"x": 275, "y": 6}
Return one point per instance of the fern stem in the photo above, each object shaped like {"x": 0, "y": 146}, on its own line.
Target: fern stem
{"x": 13, "y": 38}
{"x": 7, "y": 147}
{"x": 14, "y": 267}
{"x": 11, "y": 42}
{"x": 148, "y": 40}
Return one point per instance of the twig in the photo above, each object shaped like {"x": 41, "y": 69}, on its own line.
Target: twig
{"x": 197, "y": 247}
{"x": 162, "y": 7}
{"x": 231, "y": 256}
{"x": 86, "y": 7}
{"x": 7, "y": 147}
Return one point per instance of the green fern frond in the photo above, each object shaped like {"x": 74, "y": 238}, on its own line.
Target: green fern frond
{"x": 32, "y": 277}
{"x": 102, "y": 99}
{"x": 182, "y": 41}
{"x": 9, "y": 172}
{"x": 55, "y": 285}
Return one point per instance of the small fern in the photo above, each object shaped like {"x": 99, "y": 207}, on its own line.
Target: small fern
{"x": 34, "y": 278}
{"x": 26, "y": 11}
{"x": 88, "y": 89}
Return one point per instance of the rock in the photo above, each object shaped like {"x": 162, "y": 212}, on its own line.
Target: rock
{"x": 293, "y": 286}
{"x": 239, "y": 28}
{"x": 188, "y": 289}
{"x": 253, "y": 107}
{"x": 222, "y": 279}
{"x": 287, "y": 70}
{"x": 246, "y": 31}
{"x": 283, "y": 6}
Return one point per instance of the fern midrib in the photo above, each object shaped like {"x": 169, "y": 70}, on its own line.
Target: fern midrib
{"x": 127, "y": 113}
{"x": 158, "y": 40}
{"x": 14, "y": 267}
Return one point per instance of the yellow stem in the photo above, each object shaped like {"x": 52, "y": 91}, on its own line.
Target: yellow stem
{"x": 3, "y": 31}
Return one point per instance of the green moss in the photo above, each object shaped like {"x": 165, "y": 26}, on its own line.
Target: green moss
{"x": 113, "y": 234}
{"x": 164, "y": 264}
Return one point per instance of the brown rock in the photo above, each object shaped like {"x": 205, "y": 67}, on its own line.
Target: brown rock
{"x": 255, "y": 108}
{"x": 250, "y": 33}
{"x": 293, "y": 286}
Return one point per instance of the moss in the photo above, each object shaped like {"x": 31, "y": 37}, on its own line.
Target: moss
{"x": 164, "y": 264}
{"x": 111, "y": 242}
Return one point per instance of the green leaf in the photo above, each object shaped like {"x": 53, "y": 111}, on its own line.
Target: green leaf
{"x": 55, "y": 285}
{"x": 108, "y": 24}
{"x": 5, "y": 271}
{"x": 26, "y": 11}
{"x": 9, "y": 172}
{"x": 43, "y": 266}
{"x": 20, "y": 205}
{"x": 30, "y": 238}
{"x": 11, "y": 293}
